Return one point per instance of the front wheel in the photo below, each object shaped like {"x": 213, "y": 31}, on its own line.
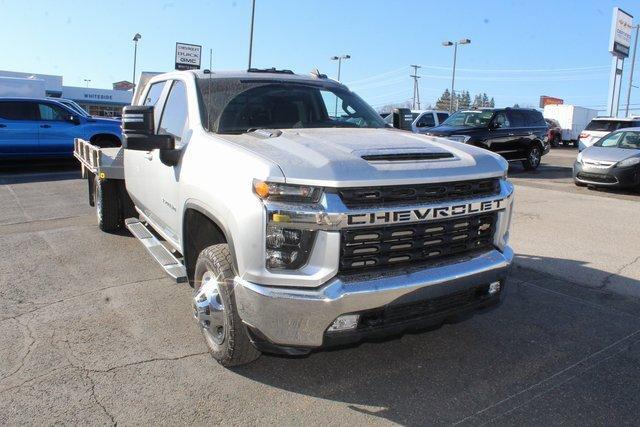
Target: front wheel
{"x": 534, "y": 156}
{"x": 214, "y": 307}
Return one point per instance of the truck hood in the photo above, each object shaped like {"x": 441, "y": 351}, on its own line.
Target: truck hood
{"x": 108, "y": 122}
{"x": 334, "y": 157}
{"x": 608, "y": 154}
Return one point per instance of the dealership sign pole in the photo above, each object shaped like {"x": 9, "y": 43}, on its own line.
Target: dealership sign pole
{"x": 619, "y": 45}
{"x": 188, "y": 56}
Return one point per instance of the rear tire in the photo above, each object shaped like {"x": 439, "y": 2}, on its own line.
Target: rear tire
{"x": 556, "y": 141}
{"x": 105, "y": 194}
{"x": 215, "y": 308}
{"x": 534, "y": 157}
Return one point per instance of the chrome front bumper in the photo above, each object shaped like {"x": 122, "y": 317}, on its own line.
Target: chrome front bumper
{"x": 300, "y": 317}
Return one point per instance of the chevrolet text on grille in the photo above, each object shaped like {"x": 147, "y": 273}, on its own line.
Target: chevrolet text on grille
{"x": 426, "y": 214}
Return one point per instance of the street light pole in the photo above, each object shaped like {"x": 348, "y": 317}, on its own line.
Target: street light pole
{"x": 253, "y": 12}
{"x": 87, "y": 81}
{"x": 633, "y": 61}
{"x": 339, "y": 59}
{"x": 453, "y": 74}
{"x": 135, "y": 58}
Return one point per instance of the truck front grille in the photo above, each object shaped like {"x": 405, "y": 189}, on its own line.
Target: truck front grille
{"x": 359, "y": 197}
{"x": 369, "y": 248}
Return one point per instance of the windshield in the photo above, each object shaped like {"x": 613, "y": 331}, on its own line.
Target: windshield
{"x": 469, "y": 118}
{"x": 607, "y": 125}
{"x": 75, "y": 107}
{"x": 630, "y": 140}
{"x": 238, "y": 106}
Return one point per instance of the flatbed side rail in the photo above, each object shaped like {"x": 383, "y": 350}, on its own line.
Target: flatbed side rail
{"x": 87, "y": 154}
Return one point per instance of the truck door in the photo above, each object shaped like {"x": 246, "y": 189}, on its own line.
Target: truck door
{"x": 162, "y": 200}
{"x": 18, "y": 129}
{"x": 500, "y": 135}
{"x": 425, "y": 122}
{"x": 520, "y": 135}
{"x": 140, "y": 185}
{"x": 56, "y": 131}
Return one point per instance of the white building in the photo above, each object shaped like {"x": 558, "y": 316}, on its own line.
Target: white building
{"x": 98, "y": 102}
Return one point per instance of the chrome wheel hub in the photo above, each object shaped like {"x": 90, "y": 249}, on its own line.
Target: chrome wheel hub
{"x": 208, "y": 308}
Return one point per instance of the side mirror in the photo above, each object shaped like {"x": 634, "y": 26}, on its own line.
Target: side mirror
{"x": 138, "y": 129}
{"x": 73, "y": 119}
{"x": 494, "y": 125}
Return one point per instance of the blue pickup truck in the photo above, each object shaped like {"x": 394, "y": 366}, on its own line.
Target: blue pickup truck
{"x": 35, "y": 128}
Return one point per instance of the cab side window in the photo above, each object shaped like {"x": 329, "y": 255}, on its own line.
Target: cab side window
{"x": 426, "y": 121}
{"x": 174, "y": 115}
{"x": 501, "y": 120}
{"x": 516, "y": 119}
{"x": 153, "y": 95}
{"x": 18, "y": 110}
{"x": 52, "y": 112}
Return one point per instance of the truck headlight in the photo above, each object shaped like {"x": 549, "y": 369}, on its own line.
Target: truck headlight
{"x": 628, "y": 162}
{"x": 278, "y": 192}
{"x": 459, "y": 138}
{"x": 287, "y": 248}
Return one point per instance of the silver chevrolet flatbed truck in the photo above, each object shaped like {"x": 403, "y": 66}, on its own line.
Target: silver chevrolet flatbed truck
{"x": 300, "y": 219}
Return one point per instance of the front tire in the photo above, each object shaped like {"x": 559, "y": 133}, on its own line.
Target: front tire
{"x": 105, "y": 196}
{"x": 215, "y": 309}
{"x": 534, "y": 156}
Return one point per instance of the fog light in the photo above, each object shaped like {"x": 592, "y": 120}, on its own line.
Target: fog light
{"x": 494, "y": 288}
{"x": 344, "y": 322}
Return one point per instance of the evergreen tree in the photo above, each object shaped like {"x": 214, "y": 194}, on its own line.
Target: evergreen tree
{"x": 485, "y": 100}
{"x": 464, "y": 101}
{"x": 444, "y": 101}
{"x": 492, "y": 103}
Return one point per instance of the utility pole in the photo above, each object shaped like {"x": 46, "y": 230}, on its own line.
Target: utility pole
{"x": 633, "y": 61}
{"x": 210, "y": 59}
{"x": 416, "y": 91}
{"x": 253, "y": 12}
{"x": 453, "y": 74}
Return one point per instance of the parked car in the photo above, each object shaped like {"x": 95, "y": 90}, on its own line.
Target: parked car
{"x": 613, "y": 161}
{"x": 423, "y": 120}
{"x": 601, "y": 126}
{"x": 42, "y": 127}
{"x": 517, "y": 134}
{"x": 554, "y": 136}
{"x": 299, "y": 228}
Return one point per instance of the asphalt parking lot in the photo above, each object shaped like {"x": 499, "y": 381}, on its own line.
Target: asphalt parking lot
{"x": 91, "y": 331}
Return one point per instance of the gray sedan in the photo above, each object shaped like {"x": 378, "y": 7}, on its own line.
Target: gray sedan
{"x": 613, "y": 161}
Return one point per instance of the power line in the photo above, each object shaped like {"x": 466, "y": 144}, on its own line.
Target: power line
{"x": 416, "y": 90}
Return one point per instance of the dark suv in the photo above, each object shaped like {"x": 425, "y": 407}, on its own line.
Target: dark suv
{"x": 517, "y": 134}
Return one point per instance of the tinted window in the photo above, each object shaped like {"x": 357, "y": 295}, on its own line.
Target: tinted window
{"x": 502, "y": 120}
{"x": 426, "y": 120}
{"x": 470, "y": 118}
{"x": 174, "y": 115}
{"x": 516, "y": 118}
{"x": 16, "y": 110}
{"x": 154, "y": 94}
{"x": 608, "y": 125}
{"x": 442, "y": 117}
{"x": 52, "y": 112}
{"x": 534, "y": 118}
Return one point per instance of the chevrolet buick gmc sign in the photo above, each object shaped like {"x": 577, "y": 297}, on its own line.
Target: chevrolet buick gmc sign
{"x": 188, "y": 56}
{"x": 424, "y": 214}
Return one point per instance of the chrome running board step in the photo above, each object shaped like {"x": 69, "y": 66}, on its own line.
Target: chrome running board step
{"x": 171, "y": 265}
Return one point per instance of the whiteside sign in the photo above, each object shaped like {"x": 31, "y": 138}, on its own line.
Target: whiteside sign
{"x": 621, "y": 28}
{"x": 188, "y": 56}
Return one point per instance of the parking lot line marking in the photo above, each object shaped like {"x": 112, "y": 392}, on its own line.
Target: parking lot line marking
{"x": 17, "y": 199}
{"x": 579, "y": 300}
{"x": 553, "y": 381}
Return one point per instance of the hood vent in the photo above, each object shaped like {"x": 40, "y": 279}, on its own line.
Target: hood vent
{"x": 407, "y": 157}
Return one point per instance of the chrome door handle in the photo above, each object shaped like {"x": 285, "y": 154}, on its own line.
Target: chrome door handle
{"x": 511, "y": 134}
{"x": 45, "y": 126}
{"x": 3, "y": 125}
{"x": 148, "y": 155}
